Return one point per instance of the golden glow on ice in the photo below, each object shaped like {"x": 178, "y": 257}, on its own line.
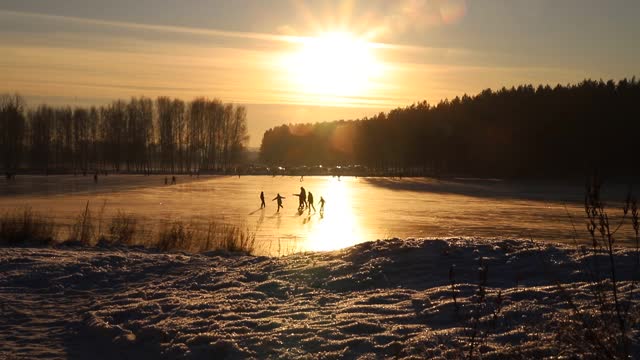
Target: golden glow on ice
{"x": 339, "y": 227}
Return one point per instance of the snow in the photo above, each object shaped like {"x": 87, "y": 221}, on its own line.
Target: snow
{"x": 379, "y": 299}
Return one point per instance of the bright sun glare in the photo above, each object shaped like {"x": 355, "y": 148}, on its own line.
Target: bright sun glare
{"x": 340, "y": 227}
{"x": 333, "y": 64}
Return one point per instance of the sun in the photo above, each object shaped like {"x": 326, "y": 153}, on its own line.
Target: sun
{"x": 333, "y": 64}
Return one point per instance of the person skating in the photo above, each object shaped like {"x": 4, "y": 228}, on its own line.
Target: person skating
{"x": 303, "y": 198}
{"x": 310, "y": 202}
{"x": 279, "y": 198}
{"x": 262, "y": 204}
{"x": 321, "y": 202}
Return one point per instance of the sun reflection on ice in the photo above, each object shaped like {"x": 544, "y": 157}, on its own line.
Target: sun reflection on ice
{"x": 339, "y": 227}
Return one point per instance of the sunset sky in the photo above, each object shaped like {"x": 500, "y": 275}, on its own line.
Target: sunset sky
{"x": 304, "y": 61}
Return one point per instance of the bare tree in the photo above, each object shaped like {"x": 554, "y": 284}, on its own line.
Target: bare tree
{"x": 12, "y": 130}
{"x": 139, "y": 135}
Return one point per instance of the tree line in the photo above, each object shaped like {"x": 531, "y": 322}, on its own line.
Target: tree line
{"x": 523, "y": 131}
{"x": 139, "y": 135}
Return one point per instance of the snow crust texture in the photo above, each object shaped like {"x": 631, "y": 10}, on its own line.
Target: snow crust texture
{"x": 383, "y": 299}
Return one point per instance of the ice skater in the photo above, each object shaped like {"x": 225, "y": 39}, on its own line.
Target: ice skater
{"x": 262, "y": 204}
{"x": 279, "y": 198}
{"x": 321, "y": 202}
{"x": 310, "y": 202}
{"x": 303, "y": 198}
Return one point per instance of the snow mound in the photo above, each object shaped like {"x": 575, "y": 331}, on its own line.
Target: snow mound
{"x": 389, "y": 298}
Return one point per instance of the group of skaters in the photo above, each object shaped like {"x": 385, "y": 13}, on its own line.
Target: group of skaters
{"x": 305, "y": 200}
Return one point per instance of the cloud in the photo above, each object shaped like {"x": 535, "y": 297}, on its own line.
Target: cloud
{"x": 150, "y": 27}
{"x": 418, "y": 15}
{"x": 287, "y": 30}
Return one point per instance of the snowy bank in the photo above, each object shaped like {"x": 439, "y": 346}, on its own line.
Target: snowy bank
{"x": 380, "y": 299}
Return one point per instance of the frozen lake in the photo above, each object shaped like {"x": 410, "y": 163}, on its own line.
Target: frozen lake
{"x": 357, "y": 209}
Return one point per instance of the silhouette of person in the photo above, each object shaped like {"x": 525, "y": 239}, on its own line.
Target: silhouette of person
{"x": 173, "y": 180}
{"x": 303, "y": 198}
{"x": 298, "y": 195}
{"x": 262, "y": 204}
{"x": 279, "y": 198}
{"x": 310, "y": 202}
{"x": 321, "y": 202}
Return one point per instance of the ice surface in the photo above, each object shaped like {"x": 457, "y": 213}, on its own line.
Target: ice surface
{"x": 357, "y": 209}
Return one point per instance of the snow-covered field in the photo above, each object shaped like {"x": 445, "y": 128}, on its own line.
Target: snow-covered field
{"x": 357, "y": 209}
{"x": 383, "y": 299}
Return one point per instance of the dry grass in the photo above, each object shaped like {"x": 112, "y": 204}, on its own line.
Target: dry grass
{"x": 175, "y": 236}
{"x": 230, "y": 238}
{"x": 187, "y": 237}
{"x": 83, "y": 230}
{"x": 25, "y": 227}
{"x": 122, "y": 230}
{"x": 606, "y": 325}
{"x": 597, "y": 319}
